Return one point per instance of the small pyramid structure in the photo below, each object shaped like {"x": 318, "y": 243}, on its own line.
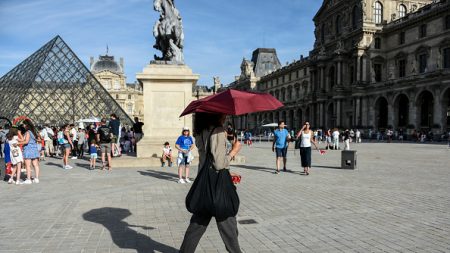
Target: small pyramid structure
{"x": 53, "y": 86}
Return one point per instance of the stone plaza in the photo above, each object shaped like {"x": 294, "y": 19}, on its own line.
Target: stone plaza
{"x": 397, "y": 200}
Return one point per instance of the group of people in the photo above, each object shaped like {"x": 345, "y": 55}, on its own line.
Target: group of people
{"x": 23, "y": 146}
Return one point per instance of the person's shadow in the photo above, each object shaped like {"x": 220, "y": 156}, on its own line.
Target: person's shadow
{"x": 124, "y": 237}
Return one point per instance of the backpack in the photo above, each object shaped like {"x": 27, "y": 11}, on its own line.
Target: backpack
{"x": 105, "y": 134}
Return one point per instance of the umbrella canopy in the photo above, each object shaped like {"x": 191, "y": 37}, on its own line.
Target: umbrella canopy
{"x": 234, "y": 102}
{"x": 89, "y": 120}
{"x": 271, "y": 125}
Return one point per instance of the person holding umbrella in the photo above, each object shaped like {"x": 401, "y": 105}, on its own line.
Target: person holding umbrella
{"x": 207, "y": 125}
{"x": 307, "y": 139}
{"x": 214, "y": 160}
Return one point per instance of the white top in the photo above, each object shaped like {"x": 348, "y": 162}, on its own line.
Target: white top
{"x": 167, "y": 151}
{"x": 306, "y": 139}
{"x": 15, "y": 151}
{"x": 335, "y": 134}
{"x": 73, "y": 132}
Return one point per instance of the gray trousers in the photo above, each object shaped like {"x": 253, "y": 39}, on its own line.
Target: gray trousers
{"x": 227, "y": 229}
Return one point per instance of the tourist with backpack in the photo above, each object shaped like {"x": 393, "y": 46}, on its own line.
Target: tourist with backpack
{"x": 104, "y": 137}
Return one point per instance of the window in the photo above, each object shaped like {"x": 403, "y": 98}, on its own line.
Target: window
{"x": 116, "y": 85}
{"x": 377, "y": 70}
{"x": 355, "y": 17}
{"x": 117, "y": 96}
{"x": 377, "y": 43}
{"x": 423, "y": 31}
{"x": 423, "y": 63}
{"x": 305, "y": 71}
{"x": 378, "y": 13}
{"x": 401, "y": 11}
{"x": 338, "y": 25}
{"x": 446, "y": 55}
{"x": 401, "y": 38}
{"x": 130, "y": 97}
{"x": 130, "y": 108}
{"x": 447, "y": 22}
{"x": 402, "y": 68}
{"x": 108, "y": 84}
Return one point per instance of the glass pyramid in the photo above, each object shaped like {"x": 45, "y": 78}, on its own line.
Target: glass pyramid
{"x": 53, "y": 86}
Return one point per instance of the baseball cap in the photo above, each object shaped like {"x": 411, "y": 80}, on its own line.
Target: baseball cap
{"x": 185, "y": 128}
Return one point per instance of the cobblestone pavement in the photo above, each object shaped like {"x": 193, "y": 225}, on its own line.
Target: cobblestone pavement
{"x": 398, "y": 200}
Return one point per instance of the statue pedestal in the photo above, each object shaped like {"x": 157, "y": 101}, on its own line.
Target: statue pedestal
{"x": 167, "y": 91}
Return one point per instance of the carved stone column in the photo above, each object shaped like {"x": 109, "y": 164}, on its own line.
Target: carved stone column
{"x": 364, "y": 69}
{"x": 339, "y": 73}
{"x": 358, "y": 68}
{"x": 321, "y": 114}
{"x": 338, "y": 112}
{"x": 391, "y": 115}
{"x": 357, "y": 111}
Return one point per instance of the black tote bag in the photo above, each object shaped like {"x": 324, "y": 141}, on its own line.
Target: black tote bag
{"x": 213, "y": 192}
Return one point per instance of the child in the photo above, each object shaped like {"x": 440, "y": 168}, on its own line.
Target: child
{"x": 93, "y": 154}
{"x": 15, "y": 155}
{"x": 167, "y": 155}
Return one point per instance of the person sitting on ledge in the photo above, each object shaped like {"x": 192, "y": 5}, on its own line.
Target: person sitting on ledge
{"x": 166, "y": 155}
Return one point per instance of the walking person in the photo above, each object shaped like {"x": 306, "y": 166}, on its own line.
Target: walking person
{"x": 328, "y": 139}
{"x": 30, "y": 151}
{"x": 73, "y": 136}
{"x": 114, "y": 125}
{"x": 184, "y": 144}
{"x": 280, "y": 145}
{"x": 65, "y": 141}
{"x": 16, "y": 155}
{"x": 211, "y": 126}
{"x": 358, "y": 136}
{"x": 335, "y": 136}
{"x": 48, "y": 134}
{"x": 347, "y": 138}
{"x": 81, "y": 142}
{"x": 137, "y": 130}
{"x": 306, "y": 138}
{"x": 104, "y": 137}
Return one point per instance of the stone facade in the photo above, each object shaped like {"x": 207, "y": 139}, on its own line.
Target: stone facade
{"x": 375, "y": 64}
{"x": 111, "y": 75}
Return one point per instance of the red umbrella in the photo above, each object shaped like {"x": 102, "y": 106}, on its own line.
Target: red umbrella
{"x": 234, "y": 102}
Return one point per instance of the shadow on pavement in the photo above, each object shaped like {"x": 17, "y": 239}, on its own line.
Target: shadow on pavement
{"x": 160, "y": 174}
{"x": 267, "y": 170}
{"x": 59, "y": 165}
{"x": 328, "y": 167}
{"x": 121, "y": 233}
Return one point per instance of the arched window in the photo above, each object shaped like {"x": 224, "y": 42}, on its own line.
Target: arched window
{"x": 378, "y": 13}
{"x": 402, "y": 11}
{"x": 355, "y": 17}
{"x": 338, "y": 25}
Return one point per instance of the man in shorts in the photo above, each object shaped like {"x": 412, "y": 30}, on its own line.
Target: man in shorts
{"x": 104, "y": 137}
{"x": 280, "y": 145}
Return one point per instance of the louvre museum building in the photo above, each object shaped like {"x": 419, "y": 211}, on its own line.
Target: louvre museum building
{"x": 376, "y": 64}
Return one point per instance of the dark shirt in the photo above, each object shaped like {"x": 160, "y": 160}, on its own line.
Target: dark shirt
{"x": 114, "y": 124}
{"x": 137, "y": 127}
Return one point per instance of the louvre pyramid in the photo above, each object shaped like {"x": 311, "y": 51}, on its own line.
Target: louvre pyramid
{"x": 53, "y": 86}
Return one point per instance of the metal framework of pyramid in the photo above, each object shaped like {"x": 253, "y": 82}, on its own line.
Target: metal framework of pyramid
{"x": 53, "y": 86}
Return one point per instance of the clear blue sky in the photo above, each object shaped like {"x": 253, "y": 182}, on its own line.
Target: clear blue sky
{"x": 218, "y": 33}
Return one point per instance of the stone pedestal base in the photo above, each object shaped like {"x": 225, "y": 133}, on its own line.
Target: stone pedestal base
{"x": 167, "y": 91}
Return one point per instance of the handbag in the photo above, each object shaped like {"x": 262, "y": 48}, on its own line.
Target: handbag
{"x": 213, "y": 192}
{"x": 298, "y": 143}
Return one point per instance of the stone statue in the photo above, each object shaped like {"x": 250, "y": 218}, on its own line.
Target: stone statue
{"x": 217, "y": 83}
{"x": 168, "y": 32}
{"x": 246, "y": 69}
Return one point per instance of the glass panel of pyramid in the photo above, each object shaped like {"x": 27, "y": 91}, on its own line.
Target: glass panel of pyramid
{"x": 53, "y": 86}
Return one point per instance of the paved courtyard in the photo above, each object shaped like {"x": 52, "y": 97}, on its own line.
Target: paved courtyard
{"x": 398, "y": 200}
